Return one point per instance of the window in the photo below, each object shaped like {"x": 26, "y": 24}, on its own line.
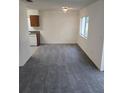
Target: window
{"x": 84, "y": 26}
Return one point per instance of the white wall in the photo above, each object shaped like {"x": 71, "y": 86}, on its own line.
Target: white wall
{"x": 25, "y": 51}
{"x": 59, "y": 27}
{"x": 93, "y": 46}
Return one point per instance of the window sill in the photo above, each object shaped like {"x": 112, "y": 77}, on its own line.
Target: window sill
{"x": 83, "y": 36}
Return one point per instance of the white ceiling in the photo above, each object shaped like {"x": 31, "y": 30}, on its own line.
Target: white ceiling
{"x": 57, "y": 4}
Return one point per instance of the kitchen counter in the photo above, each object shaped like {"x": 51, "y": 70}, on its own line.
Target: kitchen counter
{"x": 34, "y": 32}
{"x": 36, "y": 36}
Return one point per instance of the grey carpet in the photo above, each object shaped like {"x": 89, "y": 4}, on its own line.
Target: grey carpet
{"x": 60, "y": 69}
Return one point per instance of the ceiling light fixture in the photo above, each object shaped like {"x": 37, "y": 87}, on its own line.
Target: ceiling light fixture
{"x": 64, "y": 9}
{"x": 29, "y": 0}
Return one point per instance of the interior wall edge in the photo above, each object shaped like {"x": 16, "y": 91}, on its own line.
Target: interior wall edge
{"x": 98, "y": 67}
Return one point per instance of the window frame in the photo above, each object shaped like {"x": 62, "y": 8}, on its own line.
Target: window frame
{"x": 84, "y": 31}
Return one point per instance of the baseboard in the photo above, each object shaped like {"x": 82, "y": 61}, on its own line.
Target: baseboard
{"x": 58, "y": 43}
{"x": 89, "y": 58}
{"x": 21, "y": 66}
{"x": 28, "y": 57}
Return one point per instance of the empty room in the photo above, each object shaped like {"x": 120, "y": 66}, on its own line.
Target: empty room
{"x": 61, "y": 46}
